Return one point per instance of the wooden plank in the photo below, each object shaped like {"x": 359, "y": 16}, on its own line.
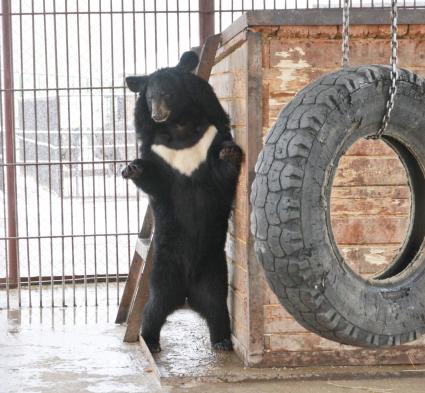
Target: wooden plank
{"x": 150, "y": 359}
{"x": 237, "y": 278}
{"x": 367, "y": 260}
{"x": 135, "y": 267}
{"x": 231, "y": 45}
{"x": 148, "y": 223}
{"x": 369, "y": 207}
{"x": 319, "y": 17}
{"x": 370, "y": 147}
{"x": 206, "y": 60}
{"x": 253, "y": 145}
{"x": 369, "y": 230}
{"x": 234, "y": 29}
{"x": 331, "y": 16}
{"x": 346, "y": 356}
{"x": 141, "y": 293}
{"x": 278, "y": 320}
{"x": 229, "y": 85}
{"x": 370, "y": 171}
{"x": 234, "y": 60}
{"x": 130, "y": 286}
{"x": 371, "y": 192}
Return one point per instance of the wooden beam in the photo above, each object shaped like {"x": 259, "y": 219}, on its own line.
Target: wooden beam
{"x": 320, "y": 17}
{"x": 254, "y": 128}
{"x": 143, "y": 257}
{"x": 139, "y": 265}
{"x": 147, "y": 225}
{"x": 207, "y": 57}
{"x": 135, "y": 272}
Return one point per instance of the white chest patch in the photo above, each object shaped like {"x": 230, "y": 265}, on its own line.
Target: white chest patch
{"x": 186, "y": 161}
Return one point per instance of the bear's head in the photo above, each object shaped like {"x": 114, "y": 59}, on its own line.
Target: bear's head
{"x": 163, "y": 89}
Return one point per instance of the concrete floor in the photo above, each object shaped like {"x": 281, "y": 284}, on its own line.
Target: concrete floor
{"x": 57, "y": 351}
{"x": 81, "y": 350}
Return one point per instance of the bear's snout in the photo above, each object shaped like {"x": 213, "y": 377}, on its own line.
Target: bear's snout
{"x": 160, "y": 113}
{"x": 159, "y": 117}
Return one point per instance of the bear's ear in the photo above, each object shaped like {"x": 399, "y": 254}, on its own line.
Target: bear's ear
{"x": 188, "y": 61}
{"x": 136, "y": 83}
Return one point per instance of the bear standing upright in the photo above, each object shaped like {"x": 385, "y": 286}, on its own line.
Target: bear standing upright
{"x": 189, "y": 167}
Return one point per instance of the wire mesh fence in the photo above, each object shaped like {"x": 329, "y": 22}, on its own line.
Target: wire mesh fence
{"x": 66, "y": 128}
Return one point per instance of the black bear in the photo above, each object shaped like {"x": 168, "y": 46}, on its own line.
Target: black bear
{"x": 189, "y": 167}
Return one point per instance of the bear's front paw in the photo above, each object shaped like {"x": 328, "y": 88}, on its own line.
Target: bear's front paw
{"x": 231, "y": 153}
{"x": 132, "y": 170}
{"x": 223, "y": 345}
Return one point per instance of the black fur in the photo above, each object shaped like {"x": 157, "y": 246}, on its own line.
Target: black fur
{"x": 191, "y": 212}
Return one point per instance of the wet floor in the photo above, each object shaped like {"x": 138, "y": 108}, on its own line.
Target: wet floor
{"x": 81, "y": 350}
{"x": 186, "y": 350}
{"x": 68, "y": 351}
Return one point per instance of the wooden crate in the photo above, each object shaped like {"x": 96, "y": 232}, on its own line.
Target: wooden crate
{"x": 264, "y": 59}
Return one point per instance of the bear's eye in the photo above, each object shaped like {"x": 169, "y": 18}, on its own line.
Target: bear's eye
{"x": 166, "y": 95}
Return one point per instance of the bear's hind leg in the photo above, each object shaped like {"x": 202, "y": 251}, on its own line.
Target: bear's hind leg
{"x": 208, "y": 296}
{"x": 154, "y": 316}
{"x": 166, "y": 294}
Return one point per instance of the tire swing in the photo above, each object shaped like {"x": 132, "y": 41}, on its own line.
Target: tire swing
{"x": 291, "y": 192}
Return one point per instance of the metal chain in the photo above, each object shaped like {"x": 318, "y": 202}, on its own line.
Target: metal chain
{"x": 394, "y": 59}
{"x": 345, "y": 33}
{"x": 394, "y": 72}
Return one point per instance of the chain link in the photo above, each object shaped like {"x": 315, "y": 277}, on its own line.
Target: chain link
{"x": 394, "y": 72}
{"x": 345, "y": 33}
{"x": 394, "y": 59}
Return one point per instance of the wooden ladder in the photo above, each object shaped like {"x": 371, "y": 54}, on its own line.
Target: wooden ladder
{"x": 136, "y": 290}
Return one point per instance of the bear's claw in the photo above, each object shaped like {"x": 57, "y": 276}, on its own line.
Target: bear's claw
{"x": 223, "y": 345}
{"x": 132, "y": 170}
{"x": 231, "y": 153}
